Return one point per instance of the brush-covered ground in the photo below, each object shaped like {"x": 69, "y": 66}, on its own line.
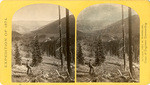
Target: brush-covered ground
{"x": 112, "y": 70}
{"x": 47, "y": 71}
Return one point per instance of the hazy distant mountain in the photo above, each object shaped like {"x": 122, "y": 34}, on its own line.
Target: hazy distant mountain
{"x": 52, "y": 29}
{"x": 88, "y": 25}
{"x": 15, "y": 34}
{"x": 27, "y": 26}
{"x": 18, "y": 28}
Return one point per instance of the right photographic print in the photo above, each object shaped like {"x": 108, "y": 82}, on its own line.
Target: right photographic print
{"x": 108, "y": 44}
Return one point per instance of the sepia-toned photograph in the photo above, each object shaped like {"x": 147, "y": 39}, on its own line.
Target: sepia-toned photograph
{"x": 43, "y": 44}
{"x": 108, "y": 38}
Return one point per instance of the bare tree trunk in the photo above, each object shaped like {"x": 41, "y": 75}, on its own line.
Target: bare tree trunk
{"x": 60, "y": 38}
{"x": 130, "y": 42}
{"x": 123, "y": 35}
{"x": 54, "y": 49}
{"x": 68, "y": 42}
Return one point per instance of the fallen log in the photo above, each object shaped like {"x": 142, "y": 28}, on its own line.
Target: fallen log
{"x": 65, "y": 79}
{"x": 119, "y": 72}
{"x": 82, "y": 74}
{"x": 61, "y": 77}
{"x": 114, "y": 63}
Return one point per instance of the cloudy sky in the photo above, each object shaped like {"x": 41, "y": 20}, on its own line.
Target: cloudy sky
{"x": 103, "y": 13}
{"x": 39, "y": 12}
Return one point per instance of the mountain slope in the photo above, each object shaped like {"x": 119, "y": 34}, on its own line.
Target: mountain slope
{"x": 16, "y": 36}
{"x": 53, "y": 28}
{"x": 115, "y": 30}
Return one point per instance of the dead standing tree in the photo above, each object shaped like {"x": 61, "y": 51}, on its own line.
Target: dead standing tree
{"x": 130, "y": 41}
{"x": 68, "y": 42}
{"x": 60, "y": 39}
{"x": 123, "y": 35}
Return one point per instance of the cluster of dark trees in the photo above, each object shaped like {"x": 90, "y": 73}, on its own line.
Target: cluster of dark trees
{"x": 49, "y": 47}
{"x": 17, "y": 55}
{"x": 80, "y": 57}
{"x": 99, "y": 52}
{"x": 96, "y": 47}
{"x": 36, "y": 52}
{"x": 33, "y": 48}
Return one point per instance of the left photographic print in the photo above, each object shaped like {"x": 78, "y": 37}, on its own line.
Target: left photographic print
{"x": 43, "y": 44}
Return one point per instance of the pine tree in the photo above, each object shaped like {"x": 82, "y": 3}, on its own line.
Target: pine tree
{"x": 36, "y": 53}
{"x": 17, "y": 55}
{"x": 80, "y": 57}
{"x": 99, "y": 54}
